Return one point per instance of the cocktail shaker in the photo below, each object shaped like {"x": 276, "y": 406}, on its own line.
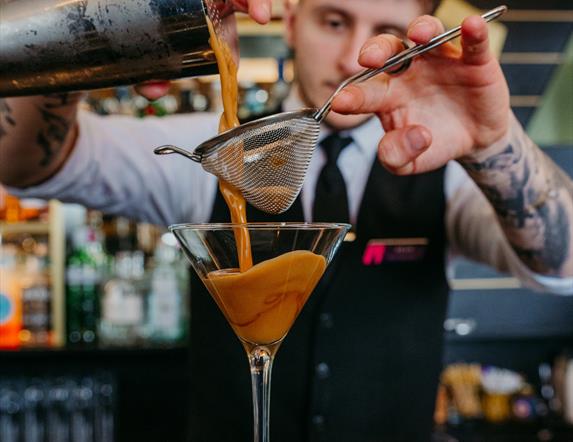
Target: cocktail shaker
{"x": 49, "y": 46}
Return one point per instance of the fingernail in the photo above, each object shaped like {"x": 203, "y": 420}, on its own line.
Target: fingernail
{"x": 417, "y": 139}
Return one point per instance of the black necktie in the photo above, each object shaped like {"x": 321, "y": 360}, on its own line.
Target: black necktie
{"x": 330, "y": 198}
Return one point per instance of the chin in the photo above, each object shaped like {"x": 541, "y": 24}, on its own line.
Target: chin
{"x": 343, "y": 122}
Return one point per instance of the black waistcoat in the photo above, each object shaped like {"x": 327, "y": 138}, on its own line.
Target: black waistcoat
{"x": 362, "y": 361}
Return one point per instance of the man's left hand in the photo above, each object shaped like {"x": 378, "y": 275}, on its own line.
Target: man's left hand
{"x": 448, "y": 104}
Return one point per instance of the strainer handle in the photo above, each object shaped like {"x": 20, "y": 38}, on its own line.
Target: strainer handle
{"x": 403, "y": 57}
{"x": 170, "y": 149}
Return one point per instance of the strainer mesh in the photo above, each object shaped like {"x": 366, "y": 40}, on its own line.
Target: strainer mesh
{"x": 267, "y": 162}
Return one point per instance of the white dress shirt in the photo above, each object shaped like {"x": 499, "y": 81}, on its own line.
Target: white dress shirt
{"x": 112, "y": 168}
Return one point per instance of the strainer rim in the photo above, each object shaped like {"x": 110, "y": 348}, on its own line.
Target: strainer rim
{"x": 204, "y": 148}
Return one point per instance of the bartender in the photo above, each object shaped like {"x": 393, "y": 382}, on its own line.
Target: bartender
{"x": 431, "y": 157}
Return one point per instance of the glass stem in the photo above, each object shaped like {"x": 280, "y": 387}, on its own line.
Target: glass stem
{"x": 261, "y": 362}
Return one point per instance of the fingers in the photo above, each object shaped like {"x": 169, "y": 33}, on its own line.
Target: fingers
{"x": 152, "y": 90}
{"x": 259, "y": 10}
{"x": 367, "y": 97}
{"x": 475, "y": 42}
{"x": 424, "y": 28}
{"x": 400, "y": 148}
{"x": 377, "y": 50}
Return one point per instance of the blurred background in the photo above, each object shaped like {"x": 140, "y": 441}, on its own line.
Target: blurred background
{"x": 94, "y": 309}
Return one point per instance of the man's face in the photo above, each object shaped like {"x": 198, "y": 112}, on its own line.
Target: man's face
{"x": 327, "y": 35}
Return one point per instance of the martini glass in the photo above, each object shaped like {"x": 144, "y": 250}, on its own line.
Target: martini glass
{"x": 262, "y": 303}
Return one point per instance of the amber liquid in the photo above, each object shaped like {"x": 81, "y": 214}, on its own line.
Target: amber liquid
{"x": 229, "y": 93}
{"x": 260, "y": 302}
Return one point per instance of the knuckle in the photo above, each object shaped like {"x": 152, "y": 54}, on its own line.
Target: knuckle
{"x": 391, "y": 155}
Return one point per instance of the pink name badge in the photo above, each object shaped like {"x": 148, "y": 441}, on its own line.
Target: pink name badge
{"x": 378, "y": 251}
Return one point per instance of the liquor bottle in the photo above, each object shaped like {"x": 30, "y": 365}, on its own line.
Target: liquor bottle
{"x": 86, "y": 267}
{"x": 166, "y": 310}
{"x": 90, "y": 300}
{"x": 74, "y": 266}
{"x": 122, "y": 309}
{"x": 36, "y": 321}
{"x": 10, "y": 298}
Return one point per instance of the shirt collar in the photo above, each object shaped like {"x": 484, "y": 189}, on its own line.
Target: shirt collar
{"x": 365, "y": 137}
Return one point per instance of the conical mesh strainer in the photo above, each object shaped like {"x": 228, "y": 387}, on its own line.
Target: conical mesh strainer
{"x": 267, "y": 159}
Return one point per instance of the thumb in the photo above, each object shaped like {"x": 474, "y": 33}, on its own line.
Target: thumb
{"x": 399, "y": 149}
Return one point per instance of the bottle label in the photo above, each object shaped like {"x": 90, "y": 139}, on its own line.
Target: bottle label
{"x": 35, "y": 308}
{"x": 122, "y": 305}
{"x": 38, "y": 293}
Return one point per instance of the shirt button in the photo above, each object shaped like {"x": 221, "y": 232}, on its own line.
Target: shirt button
{"x": 323, "y": 370}
{"x": 326, "y": 320}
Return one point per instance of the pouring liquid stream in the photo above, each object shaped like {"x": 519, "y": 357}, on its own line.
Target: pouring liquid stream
{"x": 229, "y": 120}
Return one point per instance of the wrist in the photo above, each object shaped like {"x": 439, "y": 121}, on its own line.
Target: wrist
{"x": 480, "y": 154}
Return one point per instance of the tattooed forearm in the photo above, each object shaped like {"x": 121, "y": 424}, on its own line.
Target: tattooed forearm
{"x": 36, "y": 135}
{"x": 58, "y": 100}
{"x": 53, "y": 132}
{"x": 6, "y": 118}
{"x": 533, "y": 200}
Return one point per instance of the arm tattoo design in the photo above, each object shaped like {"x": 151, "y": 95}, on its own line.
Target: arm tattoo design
{"x": 52, "y": 135}
{"x": 6, "y": 118}
{"x": 533, "y": 200}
